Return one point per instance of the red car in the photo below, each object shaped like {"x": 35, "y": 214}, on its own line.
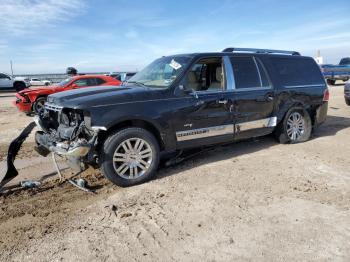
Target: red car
{"x": 33, "y": 100}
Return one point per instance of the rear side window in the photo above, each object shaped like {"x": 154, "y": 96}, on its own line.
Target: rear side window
{"x": 100, "y": 81}
{"x": 249, "y": 73}
{"x": 85, "y": 82}
{"x": 297, "y": 72}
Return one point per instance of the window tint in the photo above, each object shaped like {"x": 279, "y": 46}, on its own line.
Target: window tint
{"x": 3, "y": 76}
{"x": 81, "y": 82}
{"x": 264, "y": 80}
{"x": 100, "y": 81}
{"x": 345, "y": 61}
{"x": 297, "y": 71}
{"x": 245, "y": 72}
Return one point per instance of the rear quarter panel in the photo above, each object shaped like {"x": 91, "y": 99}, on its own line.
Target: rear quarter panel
{"x": 308, "y": 96}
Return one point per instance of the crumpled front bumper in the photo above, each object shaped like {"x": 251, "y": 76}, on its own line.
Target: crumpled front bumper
{"x": 46, "y": 144}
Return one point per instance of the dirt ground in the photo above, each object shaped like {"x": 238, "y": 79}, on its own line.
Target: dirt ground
{"x": 251, "y": 201}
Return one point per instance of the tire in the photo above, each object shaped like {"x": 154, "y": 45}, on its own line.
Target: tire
{"x": 331, "y": 82}
{"x": 47, "y": 84}
{"x": 39, "y": 104}
{"x": 19, "y": 86}
{"x": 301, "y": 132}
{"x": 128, "y": 169}
{"x": 347, "y": 101}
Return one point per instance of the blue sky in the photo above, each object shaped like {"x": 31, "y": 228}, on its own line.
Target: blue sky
{"x": 48, "y": 36}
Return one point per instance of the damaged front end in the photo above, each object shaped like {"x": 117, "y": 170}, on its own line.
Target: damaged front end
{"x": 66, "y": 132}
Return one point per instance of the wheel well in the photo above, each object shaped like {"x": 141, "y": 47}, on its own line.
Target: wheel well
{"x": 18, "y": 83}
{"x": 310, "y": 110}
{"x": 40, "y": 96}
{"x": 134, "y": 123}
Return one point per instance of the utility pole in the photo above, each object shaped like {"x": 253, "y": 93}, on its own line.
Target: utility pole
{"x": 11, "y": 68}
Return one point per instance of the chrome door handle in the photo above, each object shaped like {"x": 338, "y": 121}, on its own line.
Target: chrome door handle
{"x": 223, "y": 101}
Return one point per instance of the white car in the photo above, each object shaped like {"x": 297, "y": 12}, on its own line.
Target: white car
{"x": 39, "y": 82}
{"x": 18, "y": 83}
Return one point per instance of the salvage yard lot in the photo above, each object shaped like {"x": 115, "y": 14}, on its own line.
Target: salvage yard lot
{"x": 253, "y": 200}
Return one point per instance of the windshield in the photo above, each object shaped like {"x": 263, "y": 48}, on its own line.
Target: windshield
{"x": 162, "y": 72}
{"x": 64, "y": 82}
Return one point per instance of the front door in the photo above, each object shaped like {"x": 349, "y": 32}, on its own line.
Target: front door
{"x": 5, "y": 81}
{"x": 207, "y": 118}
{"x": 253, "y": 98}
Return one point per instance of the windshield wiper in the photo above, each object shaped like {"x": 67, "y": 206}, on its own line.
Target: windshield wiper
{"x": 137, "y": 83}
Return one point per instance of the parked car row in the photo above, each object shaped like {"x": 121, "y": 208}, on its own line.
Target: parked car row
{"x": 180, "y": 102}
{"x": 33, "y": 100}
{"x": 17, "y": 83}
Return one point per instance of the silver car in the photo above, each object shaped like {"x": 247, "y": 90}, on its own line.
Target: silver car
{"x": 347, "y": 92}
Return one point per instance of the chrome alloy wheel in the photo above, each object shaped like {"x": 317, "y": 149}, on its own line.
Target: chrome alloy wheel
{"x": 132, "y": 158}
{"x": 295, "y": 126}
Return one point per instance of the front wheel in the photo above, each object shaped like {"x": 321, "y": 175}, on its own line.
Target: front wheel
{"x": 39, "y": 105}
{"x": 296, "y": 127}
{"x": 19, "y": 86}
{"x": 130, "y": 156}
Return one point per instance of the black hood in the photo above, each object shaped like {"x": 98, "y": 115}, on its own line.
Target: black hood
{"x": 102, "y": 96}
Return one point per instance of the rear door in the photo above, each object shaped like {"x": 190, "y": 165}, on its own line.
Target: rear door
{"x": 253, "y": 98}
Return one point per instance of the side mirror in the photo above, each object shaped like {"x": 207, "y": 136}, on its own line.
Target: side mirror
{"x": 74, "y": 86}
{"x": 188, "y": 91}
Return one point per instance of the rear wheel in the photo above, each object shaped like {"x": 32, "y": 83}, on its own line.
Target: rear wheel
{"x": 19, "y": 86}
{"x": 39, "y": 105}
{"x": 331, "y": 82}
{"x": 347, "y": 101}
{"x": 296, "y": 127}
{"x": 130, "y": 156}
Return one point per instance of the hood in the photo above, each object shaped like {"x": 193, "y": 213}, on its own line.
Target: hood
{"x": 102, "y": 96}
{"x": 38, "y": 90}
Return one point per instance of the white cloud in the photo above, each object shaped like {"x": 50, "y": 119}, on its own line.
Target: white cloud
{"x": 19, "y": 16}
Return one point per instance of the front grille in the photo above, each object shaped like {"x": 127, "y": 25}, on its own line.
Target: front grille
{"x": 53, "y": 107}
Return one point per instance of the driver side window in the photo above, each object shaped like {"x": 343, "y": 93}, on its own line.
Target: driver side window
{"x": 81, "y": 82}
{"x": 207, "y": 75}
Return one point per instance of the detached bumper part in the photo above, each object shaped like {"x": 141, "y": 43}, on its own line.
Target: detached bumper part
{"x": 13, "y": 150}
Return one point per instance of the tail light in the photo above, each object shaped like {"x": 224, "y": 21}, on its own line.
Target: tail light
{"x": 326, "y": 95}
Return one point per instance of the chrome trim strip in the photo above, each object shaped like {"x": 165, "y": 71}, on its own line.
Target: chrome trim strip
{"x": 98, "y": 128}
{"x": 205, "y": 132}
{"x": 225, "y": 129}
{"x": 261, "y": 123}
{"x": 230, "y": 83}
{"x": 299, "y": 86}
{"x": 253, "y": 89}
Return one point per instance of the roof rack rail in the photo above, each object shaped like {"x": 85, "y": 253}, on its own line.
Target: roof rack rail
{"x": 260, "y": 51}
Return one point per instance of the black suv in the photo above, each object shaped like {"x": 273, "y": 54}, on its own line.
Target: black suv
{"x": 185, "y": 101}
